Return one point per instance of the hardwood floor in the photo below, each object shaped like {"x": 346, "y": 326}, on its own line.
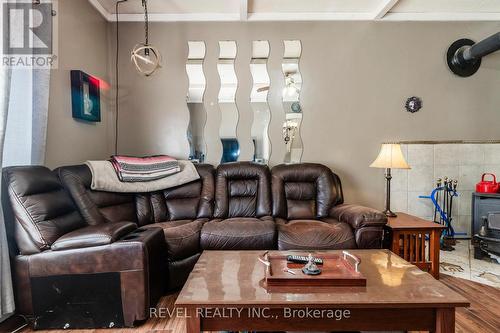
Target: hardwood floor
{"x": 484, "y": 313}
{"x": 482, "y": 316}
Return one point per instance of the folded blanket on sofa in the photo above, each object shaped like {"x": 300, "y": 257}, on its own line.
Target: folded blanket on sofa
{"x": 104, "y": 178}
{"x": 143, "y": 169}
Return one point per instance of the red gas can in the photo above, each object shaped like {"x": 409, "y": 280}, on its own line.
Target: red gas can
{"x": 488, "y": 186}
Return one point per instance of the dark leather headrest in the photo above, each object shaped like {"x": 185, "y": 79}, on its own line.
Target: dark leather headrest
{"x": 30, "y": 180}
{"x": 40, "y": 206}
{"x": 242, "y": 189}
{"x": 304, "y": 190}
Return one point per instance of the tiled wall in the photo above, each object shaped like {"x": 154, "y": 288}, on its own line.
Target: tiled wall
{"x": 464, "y": 162}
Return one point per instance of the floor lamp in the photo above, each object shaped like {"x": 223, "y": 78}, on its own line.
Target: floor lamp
{"x": 390, "y": 157}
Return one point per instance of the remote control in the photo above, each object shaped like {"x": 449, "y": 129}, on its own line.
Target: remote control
{"x": 303, "y": 260}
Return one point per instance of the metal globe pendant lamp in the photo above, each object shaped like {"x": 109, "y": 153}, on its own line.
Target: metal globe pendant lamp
{"x": 146, "y": 57}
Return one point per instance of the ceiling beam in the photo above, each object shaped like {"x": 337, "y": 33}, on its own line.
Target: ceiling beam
{"x": 384, "y": 8}
{"x": 98, "y": 6}
{"x": 243, "y": 10}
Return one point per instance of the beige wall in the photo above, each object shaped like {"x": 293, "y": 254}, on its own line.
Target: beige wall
{"x": 357, "y": 76}
{"x": 83, "y": 45}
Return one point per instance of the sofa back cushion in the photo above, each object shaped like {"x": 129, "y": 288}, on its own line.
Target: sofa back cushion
{"x": 41, "y": 208}
{"x": 304, "y": 191}
{"x": 97, "y": 207}
{"x": 242, "y": 190}
{"x": 188, "y": 201}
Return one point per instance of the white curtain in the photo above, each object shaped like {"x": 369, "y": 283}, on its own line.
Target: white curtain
{"x": 26, "y": 128}
{"x": 40, "y": 113}
{"x": 6, "y": 292}
{"x": 23, "y": 129}
{"x": 24, "y": 101}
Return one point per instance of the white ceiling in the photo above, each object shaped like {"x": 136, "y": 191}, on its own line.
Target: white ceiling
{"x": 304, "y": 10}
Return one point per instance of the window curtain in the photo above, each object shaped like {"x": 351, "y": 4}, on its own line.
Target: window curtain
{"x": 6, "y": 292}
{"x": 24, "y": 101}
{"x": 23, "y": 130}
{"x": 26, "y": 128}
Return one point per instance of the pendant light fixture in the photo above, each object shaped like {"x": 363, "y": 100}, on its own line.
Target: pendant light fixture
{"x": 146, "y": 58}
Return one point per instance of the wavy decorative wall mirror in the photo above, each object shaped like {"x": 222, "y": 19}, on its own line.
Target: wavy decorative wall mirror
{"x": 227, "y": 101}
{"x": 196, "y": 92}
{"x": 291, "y": 101}
{"x": 258, "y": 101}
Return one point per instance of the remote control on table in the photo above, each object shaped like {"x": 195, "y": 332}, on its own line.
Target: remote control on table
{"x": 303, "y": 260}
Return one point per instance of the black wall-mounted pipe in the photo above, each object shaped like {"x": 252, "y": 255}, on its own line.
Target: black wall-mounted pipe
{"x": 464, "y": 56}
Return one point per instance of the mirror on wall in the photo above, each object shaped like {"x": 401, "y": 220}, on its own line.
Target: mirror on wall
{"x": 196, "y": 92}
{"x": 227, "y": 101}
{"x": 291, "y": 101}
{"x": 259, "y": 102}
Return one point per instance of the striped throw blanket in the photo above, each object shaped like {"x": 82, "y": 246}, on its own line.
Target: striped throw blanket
{"x": 144, "y": 169}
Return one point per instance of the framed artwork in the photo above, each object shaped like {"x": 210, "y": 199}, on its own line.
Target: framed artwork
{"x": 85, "y": 97}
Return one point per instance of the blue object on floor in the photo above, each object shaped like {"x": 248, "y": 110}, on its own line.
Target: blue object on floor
{"x": 449, "y": 231}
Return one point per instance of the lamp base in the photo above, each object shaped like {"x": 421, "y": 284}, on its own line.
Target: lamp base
{"x": 389, "y": 213}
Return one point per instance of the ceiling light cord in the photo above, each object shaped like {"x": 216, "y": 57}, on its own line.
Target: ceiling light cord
{"x": 146, "y": 58}
{"x": 116, "y": 72}
{"x": 146, "y": 21}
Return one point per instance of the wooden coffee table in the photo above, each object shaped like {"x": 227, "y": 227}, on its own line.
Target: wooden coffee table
{"x": 225, "y": 292}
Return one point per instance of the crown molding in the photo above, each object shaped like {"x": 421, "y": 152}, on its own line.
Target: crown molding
{"x": 190, "y": 17}
{"x": 315, "y": 16}
{"x": 441, "y": 17}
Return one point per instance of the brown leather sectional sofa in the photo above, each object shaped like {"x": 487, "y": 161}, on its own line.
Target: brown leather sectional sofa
{"x": 84, "y": 258}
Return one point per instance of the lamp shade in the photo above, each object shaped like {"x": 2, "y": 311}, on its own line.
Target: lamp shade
{"x": 390, "y": 157}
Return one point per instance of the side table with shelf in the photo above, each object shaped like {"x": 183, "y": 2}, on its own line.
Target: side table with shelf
{"x": 405, "y": 235}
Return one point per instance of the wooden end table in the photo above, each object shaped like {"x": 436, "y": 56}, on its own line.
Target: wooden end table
{"x": 407, "y": 236}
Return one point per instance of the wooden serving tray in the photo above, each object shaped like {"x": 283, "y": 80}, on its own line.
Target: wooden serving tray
{"x": 337, "y": 270}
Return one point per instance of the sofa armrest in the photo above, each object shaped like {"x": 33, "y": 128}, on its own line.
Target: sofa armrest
{"x": 367, "y": 223}
{"x": 358, "y": 216}
{"x": 138, "y": 260}
{"x": 93, "y": 235}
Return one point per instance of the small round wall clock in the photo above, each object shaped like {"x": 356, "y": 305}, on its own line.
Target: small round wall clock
{"x": 296, "y": 108}
{"x": 413, "y": 104}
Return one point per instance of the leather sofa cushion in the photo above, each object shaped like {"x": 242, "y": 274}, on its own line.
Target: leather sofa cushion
{"x": 40, "y": 206}
{"x": 242, "y": 190}
{"x": 301, "y": 209}
{"x": 96, "y": 207}
{"x": 239, "y": 233}
{"x": 314, "y": 235}
{"x": 179, "y": 271}
{"x": 189, "y": 201}
{"x": 182, "y": 202}
{"x": 182, "y": 237}
{"x": 304, "y": 191}
{"x": 186, "y": 202}
{"x": 93, "y": 235}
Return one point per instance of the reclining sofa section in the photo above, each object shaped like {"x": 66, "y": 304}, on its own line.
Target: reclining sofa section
{"x": 68, "y": 273}
{"x": 76, "y": 251}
